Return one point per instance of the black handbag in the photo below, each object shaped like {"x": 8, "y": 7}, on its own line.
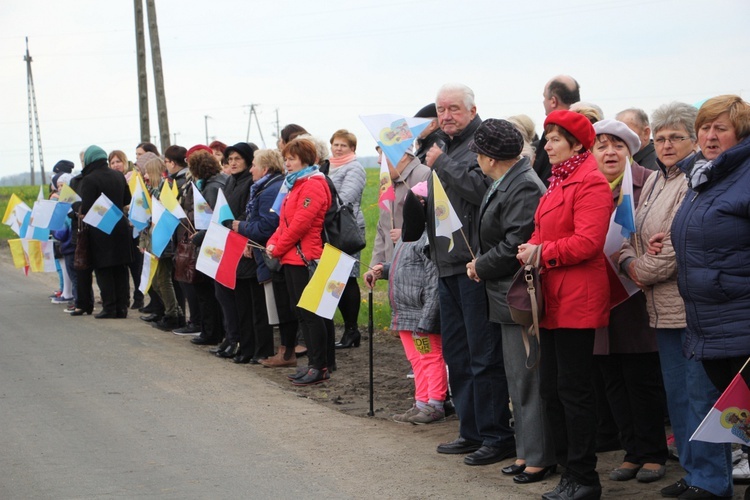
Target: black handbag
{"x": 526, "y": 304}
{"x": 272, "y": 263}
{"x": 341, "y": 228}
{"x": 311, "y": 265}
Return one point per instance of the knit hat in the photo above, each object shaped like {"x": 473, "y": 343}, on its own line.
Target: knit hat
{"x": 64, "y": 178}
{"x": 415, "y": 218}
{"x": 140, "y": 163}
{"x": 65, "y": 166}
{"x": 245, "y": 150}
{"x": 420, "y": 189}
{"x": 498, "y": 139}
{"x": 92, "y": 154}
{"x": 429, "y": 111}
{"x": 198, "y": 147}
{"x": 621, "y": 131}
{"x": 578, "y": 125}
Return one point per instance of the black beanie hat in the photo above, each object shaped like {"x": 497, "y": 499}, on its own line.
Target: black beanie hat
{"x": 429, "y": 111}
{"x": 415, "y": 218}
{"x": 245, "y": 150}
{"x": 63, "y": 167}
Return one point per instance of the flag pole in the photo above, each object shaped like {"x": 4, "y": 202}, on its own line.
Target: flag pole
{"x": 467, "y": 243}
{"x": 370, "y": 328}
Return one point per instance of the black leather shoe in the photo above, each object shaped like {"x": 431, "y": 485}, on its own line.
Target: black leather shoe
{"x": 229, "y": 352}
{"x": 151, "y": 318}
{"x": 105, "y": 315}
{"x": 533, "y": 477}
{"x": 458, "y": 446}
{"x": 491, "y": 454}
{"x": 223, "y": 345}
{"x": 167, "y": 323}
{"x": 351, "y": 338}
{"x": 81, "y": 312}
{"x": 513, "y": 469}
{"x": 675, "y": 489}
{"x": 149, "y": 309}
{"x": 203, "y": 341}
{"x": 576, "y": 491}
{"x": 137, "y": 304}
{"x": 243, "y": 359}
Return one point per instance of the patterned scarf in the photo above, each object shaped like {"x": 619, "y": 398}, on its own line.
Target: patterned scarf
{"x": 701, "y": 173}
{"x": 254, "y": 188}
{"x": 562, "y": 170}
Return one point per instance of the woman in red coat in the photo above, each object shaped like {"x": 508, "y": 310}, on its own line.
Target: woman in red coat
{"x": 570, "y": 227}
{"x": 299, "y": 239}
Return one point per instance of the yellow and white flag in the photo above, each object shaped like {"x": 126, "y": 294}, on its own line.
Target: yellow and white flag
{"x": 68, "y": 195}
{"x": 322, "y": 294}
{"x": 20, "y": 259}
{"x": 41, "y": 256}
{"x": 147, "y": 271}
{"x": 168, "y": 198}
{"x": 446, "y": 219}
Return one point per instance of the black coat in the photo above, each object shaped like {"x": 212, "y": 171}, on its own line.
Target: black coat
{"x": 113, "y": 249}
{"x": 237, "y": 192}
{"x": 506, "y": 220}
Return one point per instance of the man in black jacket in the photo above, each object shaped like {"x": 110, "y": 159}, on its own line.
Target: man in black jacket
{"x": 474, "y": 356}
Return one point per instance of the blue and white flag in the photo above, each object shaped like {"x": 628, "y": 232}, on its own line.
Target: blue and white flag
{"x": 625, "y": 211}
{"x": 140, "y": 209}
{"x": 203, "y": 211}
{"x": 32, "y": 232}
{"x": 283, "y": 192}
{"x": 222, "y": 211}
{"x": 395, "y": 134}
{"x": 163, "y": 225}
{"x": 49, "y": 214}
{"x": 103, "y": 214}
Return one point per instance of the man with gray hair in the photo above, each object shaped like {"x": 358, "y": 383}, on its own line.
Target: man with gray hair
{"x": 559, "y": 94}
{"x": 637, "y": 120}
{"x": 471, "y": 347}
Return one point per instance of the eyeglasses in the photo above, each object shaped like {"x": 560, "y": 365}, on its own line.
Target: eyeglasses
{"x": 673, "y": 140}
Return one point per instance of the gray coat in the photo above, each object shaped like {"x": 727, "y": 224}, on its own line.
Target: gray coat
{"x": 413, "y": 288}
{"x": 506, "y": 220}
{"x": 349, "y": 180}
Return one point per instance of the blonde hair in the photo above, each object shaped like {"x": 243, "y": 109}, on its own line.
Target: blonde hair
{"x": 154, "y": 168}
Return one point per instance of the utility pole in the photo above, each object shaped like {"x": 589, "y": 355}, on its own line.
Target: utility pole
{"x": 33, "y": 118}
{"x": 140, "y": 51}
{"x": 250, "y": 121}
{"x": 161, "y": 100}
{"x": 174, "y": 137}
{"x": 205, "y": 123}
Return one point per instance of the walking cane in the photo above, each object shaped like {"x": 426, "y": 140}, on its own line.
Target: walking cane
{"x": 371, "y": 413}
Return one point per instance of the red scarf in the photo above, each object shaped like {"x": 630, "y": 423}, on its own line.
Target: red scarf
{"x": 562, "y": 170}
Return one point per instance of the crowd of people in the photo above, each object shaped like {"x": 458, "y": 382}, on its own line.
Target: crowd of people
{"x": 610, "y": 371}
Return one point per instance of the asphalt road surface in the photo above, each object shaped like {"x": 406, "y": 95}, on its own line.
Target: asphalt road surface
{"x": 115, "y": 409}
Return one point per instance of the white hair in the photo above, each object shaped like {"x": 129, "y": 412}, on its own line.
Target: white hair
{"x": 466, "y": 92}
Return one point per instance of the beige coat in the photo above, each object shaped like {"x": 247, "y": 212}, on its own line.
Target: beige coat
{"x": 661, "y": 197}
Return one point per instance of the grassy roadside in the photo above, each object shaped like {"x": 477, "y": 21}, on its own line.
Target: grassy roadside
{"x": 27, "y": 193}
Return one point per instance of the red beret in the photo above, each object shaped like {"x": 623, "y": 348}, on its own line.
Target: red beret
{"x": 578, "y": 125}
{"x": 198, "y": 147}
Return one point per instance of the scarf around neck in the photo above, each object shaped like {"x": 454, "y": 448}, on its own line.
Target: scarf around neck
{"x": 701, "y": 173}
{"x": 562, "y": 170}
{"x": 342, "y": 160}
{"x": 302, "y": 174}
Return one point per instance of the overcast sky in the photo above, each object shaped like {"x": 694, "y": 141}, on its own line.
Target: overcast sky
{"x": 321, "y": 64}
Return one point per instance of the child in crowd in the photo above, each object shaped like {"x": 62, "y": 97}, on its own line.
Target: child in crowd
{"x": 413, "y": 294}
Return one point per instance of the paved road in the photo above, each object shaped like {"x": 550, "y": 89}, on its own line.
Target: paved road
{"x": 114, "y": 409}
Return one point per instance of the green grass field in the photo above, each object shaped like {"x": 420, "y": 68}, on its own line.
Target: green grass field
{"x": 27, "y": 193}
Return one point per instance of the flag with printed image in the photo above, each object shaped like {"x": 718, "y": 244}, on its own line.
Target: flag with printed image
{"x": 147, "y": 271}
{"x": 322, "y": 294}
{"x": 729, "y": 419}
{"x": 395, "y": 134}
{"x": 446, "y": 219}
{"x": 220, "y": 254}
{"x": 387, "y": 194}
{"x": 41, "y": 255}
{"x": 31, "y": 232}
{"x": 20, "y": 259}
{"x": 168, "y": 198}
{"x": 163, "y": 225}
{"x": 68, "y": 195}
{"x": 140, "y": 209}
{"x": 135, "y": 180}
{"x": 15, "y": 214}
{"x": 103, "y": 214}
{"x": 49, "y": 214}
{"x": 222, "y": 211}
{"x": 203, "y": 211}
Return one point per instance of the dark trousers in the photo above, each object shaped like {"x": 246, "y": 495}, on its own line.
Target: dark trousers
{"x": 288, "y": 324}
{"x": 235, "y": 307}
{"x": 114, "y": 287}
{"x": 85, "y": 299}
{"x": 635, "y": 392}
{"x": 318, "y": 332}
{"x": 155, "y": 302}
{"x": 566, "y": 366}
{"x": 351, "y": 299}
{"x": 473, "y": 351}
{"x": 258, "y": 340}
{"x": 212, "y": 327}
{"x": 191, "y": 297}
{"x": 135, "y": 267}
{"x": 722, "y": 371}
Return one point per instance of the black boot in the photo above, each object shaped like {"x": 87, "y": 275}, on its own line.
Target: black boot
{"x": 351, "y": 338}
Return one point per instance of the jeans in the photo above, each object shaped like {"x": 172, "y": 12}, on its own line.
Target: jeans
{"x": 473, "y": 351}
{"x": 73, "y": 274}
{"x": 690, "y": 396}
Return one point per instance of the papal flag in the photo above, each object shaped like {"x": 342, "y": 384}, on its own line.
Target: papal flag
{"x": 140, "y": 209}
{"x": 103, "y": 214}
{"x": 446, "y": 220}
{"x": 203, "y": 211}
{"x": 20, "y": 259}
{"x": 220, "y": 254}
{"x": 729, "y": 419}
{"x": 68, "y": 195}
{"x": 222, "y": 211}
{"x": 15, "y": 214}
{"x": 49, "y": 214}
{"x": 41, "y": 256}
{"x": 394, "y": 133}
{"x": 163, "y": 225}
{"x": 322, "y": 294}
{"x": 147, "y": 271}
{"x": 168, "y": 198}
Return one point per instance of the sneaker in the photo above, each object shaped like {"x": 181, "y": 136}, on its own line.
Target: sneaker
{"x": 741, "y": 470}
{"x": 313, "y": 376}
{"x": 70, "y": 308}
{"x": 61, "y": 300}
{"x": 189, "y": 329}
{"x": 403, "y": 418}
{"x": 428, "y": 415}
{"x": 737, "y": 455}
{"x": 56, "y": 294}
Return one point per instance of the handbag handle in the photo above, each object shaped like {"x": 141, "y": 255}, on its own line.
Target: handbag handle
{"x": 531, "y": 334}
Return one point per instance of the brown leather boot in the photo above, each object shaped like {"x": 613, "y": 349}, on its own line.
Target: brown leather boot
{"x": 278, "y": 360}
